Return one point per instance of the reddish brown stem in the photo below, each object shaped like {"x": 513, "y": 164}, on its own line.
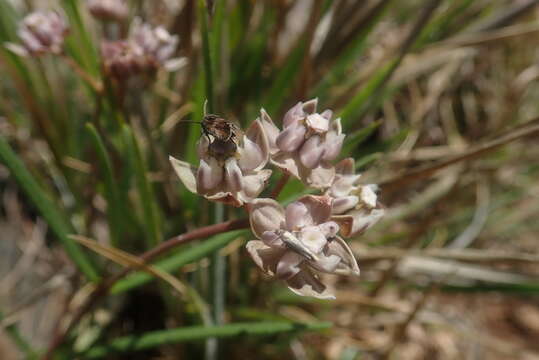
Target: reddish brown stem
{"x": 104, "y": 286}
{"x": 280, "y": 185}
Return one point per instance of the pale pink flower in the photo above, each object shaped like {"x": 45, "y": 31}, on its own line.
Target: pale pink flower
{"x": 120, "y": 60}
{"x": 233, "y": 179}
{"x": 307, "y": 144}
{"x": 355, "y": 207}
{"x": 298, "y": 242}
{"x": 115, "y": 10}
{"x": 155, "y": 45}
{"x": 41, "y": 32}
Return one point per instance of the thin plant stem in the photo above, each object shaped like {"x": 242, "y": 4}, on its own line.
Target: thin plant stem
{"x": 280, "y": 185}
{"x": 104, "y": 286}
{"x": 95, "y": 84}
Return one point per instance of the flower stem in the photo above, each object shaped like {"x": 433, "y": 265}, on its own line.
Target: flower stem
{"x": 280, "y": 185}
{"x": 96, "y": 85}
{"x": 104, "y": 286}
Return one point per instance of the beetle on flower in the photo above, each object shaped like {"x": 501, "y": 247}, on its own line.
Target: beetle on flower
{"x": 232, "y": 177}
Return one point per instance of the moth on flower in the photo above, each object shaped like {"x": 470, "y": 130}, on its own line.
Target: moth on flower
{"x": 297, "y": 243}
{"x": 307, "y": 144}
{"x": 231, "y": 168}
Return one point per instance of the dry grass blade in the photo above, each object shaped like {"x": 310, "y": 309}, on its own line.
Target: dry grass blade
{"x": 396, "y": 182}
{"x": 130, "y": 261}
{"x": 125, "y": 259}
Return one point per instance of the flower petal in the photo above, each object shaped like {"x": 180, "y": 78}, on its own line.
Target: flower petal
{"x": 250, "y": 155}
{"x": 327, "y": 114}
{"x": 321, "y": 177}
{"x": 368, "y": 196}
{"x": 209, "y": 175}
{"x": 357, "y": 221}
{"x": 266, "y": 215}
{"x": 186, "y": 172}
{"x": 317, "y": 123}
{"x": 326, "y": 263}
{"x": 291, "y": 138}
{"x": 348, "y": 264}
{"x": 311, "y": 152}
{"x": 270, "y": 129}
{"x": 254, "y": 183}
{"x": 310, "y": 106}
{"x": 273, "y": 239}
{"x": 297, "y": 216}
{"x": 293, "y": 115}
{"x": 329, "y": 229}
{"x": 264, "y": 256}
{"x": 313, "y": 239}
{"x": 343, "y": 185}
{"x": 344, "y": 203}
{"x": 288, "y": 265}
{"x": 233, "y": 175}
{"x": 319, "y": 207}
{"x": 257, "y": 135}
{"x": 288, "y": 163}
{"x": 333, "y": 146}
{"x": 305, "y": 283}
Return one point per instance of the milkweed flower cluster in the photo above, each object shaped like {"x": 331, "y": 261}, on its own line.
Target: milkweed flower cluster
{"x": 307, "y": 144}
{"x": 41, "y": 32}
{"x": 146, "y": 50}
{"x": 299, "y": 243}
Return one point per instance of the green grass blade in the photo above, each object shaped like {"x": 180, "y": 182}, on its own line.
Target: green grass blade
{"x": 359, "y": 102}
{"x": 356, "y": 138}
{"x": 172, "y": 336}
{"x": 112, "y": 194}
{"x": 208, "y": 66}
{"x": 19, "y": 341}
{"x": 284, "y": 81}
{"x": 340, "y": 69}
{"x": 57, "y": 221}
{"x": 79, "y": 43}
{"x": 181, "y": 258}
{"x": 147, "y": 197}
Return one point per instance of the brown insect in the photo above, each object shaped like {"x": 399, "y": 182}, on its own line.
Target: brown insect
{"x": 219, "y": 128}
{"x": 222, "y": 135}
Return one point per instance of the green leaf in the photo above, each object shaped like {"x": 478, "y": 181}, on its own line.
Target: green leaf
{"x": 112, "y": 194}
{"x": 181, "y": 258}
{"x": 356, "y": 138}
{"x": 173, "y": 336}
{"x": 284, "y": 80}
{"x": 359, "y": 102}
{"x": 52, "y": 214}
{"x": 148, "y": 201}
{"x": 79, "y": 43}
